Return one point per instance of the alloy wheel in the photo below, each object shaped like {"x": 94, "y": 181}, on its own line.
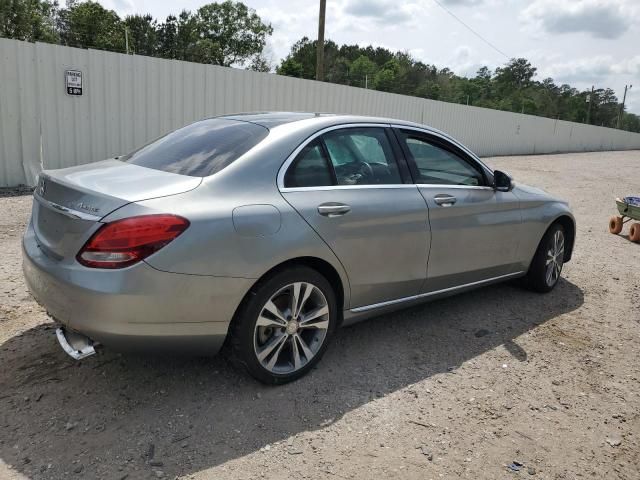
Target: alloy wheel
{"x": 555, "y": 257}
{"x": 291, "y": 328}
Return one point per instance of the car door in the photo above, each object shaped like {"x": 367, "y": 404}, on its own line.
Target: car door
{"x": 474, "y": 228}
{"x": 352, "y": 186}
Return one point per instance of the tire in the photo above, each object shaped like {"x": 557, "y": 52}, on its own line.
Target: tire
{"x": 538, "y": 278}
{"x": 265, "y": 327}
{"x": 615, "y": 224}
{"x": 634, "y": 233}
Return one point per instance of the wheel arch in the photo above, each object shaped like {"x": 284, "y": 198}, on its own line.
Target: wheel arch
{"x": 319, "y": 265}
{"x": 569, "y": 225}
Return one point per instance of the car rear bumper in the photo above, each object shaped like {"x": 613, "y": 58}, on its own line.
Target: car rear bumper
{"x": 136, "y": 308}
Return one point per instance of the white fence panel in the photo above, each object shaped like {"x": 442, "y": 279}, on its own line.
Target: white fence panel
{"x": 129, "y": 100}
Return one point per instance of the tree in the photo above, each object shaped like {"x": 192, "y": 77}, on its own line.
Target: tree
{"x": 90, "y": 25}
{"x": 518, "y": 73}
{"x": 143, "y": 34}
{"x": 167, "y": 37}
{"x": 230, "y": 33}
{"x": 259, "y": 63}
{"x": 386, "y": 79}
{"x": 30, "y": 20}
{"x": 361, "y": 69}
{"x": 301, "y": 60}
{"x": 511, "y": 87}
{"x": 631, "y": 122}
{"x": 291, "y": 68}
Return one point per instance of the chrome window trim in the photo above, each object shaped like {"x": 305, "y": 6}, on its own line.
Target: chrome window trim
{"x": 445, "y": 185}
{"x": 292, "y": 157}
{"x": 75, "y": 214}
{"x": 446, "y": 138}
{"x": 348, "y": 187}
{"x": 366, "y": 308}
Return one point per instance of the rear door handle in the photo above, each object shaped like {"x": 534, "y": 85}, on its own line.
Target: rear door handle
{"x": 445, "y": 200}
{"x": 333, "y": 209}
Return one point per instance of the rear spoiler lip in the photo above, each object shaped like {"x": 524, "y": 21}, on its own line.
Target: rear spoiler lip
{"x": 69, "y": 212}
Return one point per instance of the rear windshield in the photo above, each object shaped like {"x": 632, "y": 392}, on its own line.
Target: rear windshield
{"x": 200, "y": 149}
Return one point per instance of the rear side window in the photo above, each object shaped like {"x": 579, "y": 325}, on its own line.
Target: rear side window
{"x": 200, "y": 149}
{"x": 311, "y": 168}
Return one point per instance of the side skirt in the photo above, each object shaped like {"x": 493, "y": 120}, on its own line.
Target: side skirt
{"x": 367, "y": 311}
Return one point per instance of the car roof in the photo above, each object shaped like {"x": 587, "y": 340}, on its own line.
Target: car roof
{"x": 275, "y": 119}
{"x": 272, "y": 119}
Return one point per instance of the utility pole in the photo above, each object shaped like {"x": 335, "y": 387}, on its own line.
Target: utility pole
{"x": 624, "y": 99}
{"x": 589, "y": 101}
{"x": 126, "y": 39}
{"x": 320, "y": 43}
{"x": 366, "y": 81}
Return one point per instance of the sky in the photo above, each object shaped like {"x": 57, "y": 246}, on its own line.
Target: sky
{"x": 580, "y": 42}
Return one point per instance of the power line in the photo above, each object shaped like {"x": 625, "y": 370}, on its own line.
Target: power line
{"x": 472, "y": 30}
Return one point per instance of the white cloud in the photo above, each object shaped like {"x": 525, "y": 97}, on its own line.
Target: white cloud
{"x": 607, "y": 19}
{"x": 124, "y": 7}
{"x": 462, "y": 2}
{"x": 591, "y": 69}
{"x": 389, "y": 12}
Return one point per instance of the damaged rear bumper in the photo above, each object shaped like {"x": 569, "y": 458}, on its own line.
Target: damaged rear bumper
{"x": 76, "y": 345}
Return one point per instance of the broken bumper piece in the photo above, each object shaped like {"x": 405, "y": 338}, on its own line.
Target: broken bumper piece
{"x": 75, "y": 344}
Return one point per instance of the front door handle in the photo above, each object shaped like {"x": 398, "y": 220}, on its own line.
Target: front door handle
{"x": 445, "y": 200}
{"x": 333, "y": 209}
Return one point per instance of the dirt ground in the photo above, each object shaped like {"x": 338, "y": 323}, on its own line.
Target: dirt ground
{"x": 459, "y": 388}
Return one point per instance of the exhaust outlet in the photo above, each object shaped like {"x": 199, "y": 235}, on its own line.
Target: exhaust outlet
{"x": 76, "y": 345}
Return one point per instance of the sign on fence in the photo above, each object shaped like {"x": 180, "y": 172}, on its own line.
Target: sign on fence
{"x": 73, "y": 82}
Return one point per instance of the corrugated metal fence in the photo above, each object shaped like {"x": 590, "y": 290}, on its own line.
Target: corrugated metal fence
{"x": 128, "y": 100}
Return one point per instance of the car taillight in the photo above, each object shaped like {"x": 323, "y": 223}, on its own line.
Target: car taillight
{"x": 124, "y": 242}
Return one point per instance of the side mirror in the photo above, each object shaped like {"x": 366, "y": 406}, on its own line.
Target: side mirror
{"x": 502, "y": 181}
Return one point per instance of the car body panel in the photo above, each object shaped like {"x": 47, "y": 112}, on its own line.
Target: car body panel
{"x": 135, "y": 307}
{"x": 109, "y": 184}
{"x": 539, "y": 210}
{"x": 230, "y": 253}
{"x": 383, "y": 241}
{"x": 69, "y": 203}
{"x": 474, "y": 238}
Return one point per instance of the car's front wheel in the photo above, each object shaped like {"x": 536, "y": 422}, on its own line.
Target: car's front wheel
{"x": 282, "y": 330}
{"x": 548, "y": 261}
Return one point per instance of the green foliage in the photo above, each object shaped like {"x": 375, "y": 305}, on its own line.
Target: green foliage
{"x": 227, "y": 33}
{"x": 30, "y": 20}
{"x": 90, "y": 25}
{"x": 512, "y": 87}
{"x": 290, "y": 68}
{"x": 231, "y": 32}
{"x": 259, "y": 63}
{"x": 362, "y": 68}
{"x": 143, "y": 34}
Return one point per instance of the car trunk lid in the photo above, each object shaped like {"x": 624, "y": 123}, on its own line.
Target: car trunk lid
{"x": 69, "y": 203}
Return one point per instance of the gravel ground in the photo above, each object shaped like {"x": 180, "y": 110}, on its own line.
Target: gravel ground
{"x": 459, "y": 388}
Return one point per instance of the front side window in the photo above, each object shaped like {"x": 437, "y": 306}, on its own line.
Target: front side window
{"x": 201, "y": 148}
{"x": 437, "y": 165}
{"x": 362, "y": 156}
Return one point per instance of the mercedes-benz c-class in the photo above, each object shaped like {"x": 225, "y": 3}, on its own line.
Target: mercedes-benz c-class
{"x": 265, "y": 232}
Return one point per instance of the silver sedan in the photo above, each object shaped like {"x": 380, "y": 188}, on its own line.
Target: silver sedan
{"x": 263, "y": 233}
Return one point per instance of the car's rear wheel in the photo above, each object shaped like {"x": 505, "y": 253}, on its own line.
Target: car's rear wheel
{"x": 548, "y": 261}
{"x": 283, "y": 328}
